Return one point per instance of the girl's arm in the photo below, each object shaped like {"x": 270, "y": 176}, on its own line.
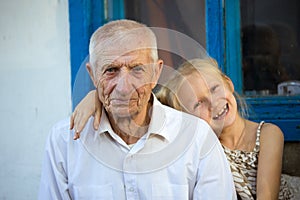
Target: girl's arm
{"x": 88, "y": 106}
{"x": 269, "y": 162}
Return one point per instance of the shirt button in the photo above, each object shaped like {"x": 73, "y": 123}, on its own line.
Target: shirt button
{"x": 131, "y": 189}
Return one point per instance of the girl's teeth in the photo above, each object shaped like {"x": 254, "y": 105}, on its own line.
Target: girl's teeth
{"x": 221, "y": 111}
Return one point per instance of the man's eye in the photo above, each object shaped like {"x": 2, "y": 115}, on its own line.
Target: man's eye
{"x": 214, "y": 88}
{"x": 137, "y": 68}
{"x": 111, "y": 70}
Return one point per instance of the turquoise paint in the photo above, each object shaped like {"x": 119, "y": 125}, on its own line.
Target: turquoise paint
{"x": 215, "y": 30}
{"x": 283, "y": 111}
{"x": 233, "y": 61}
{"x": 118, "y": 9}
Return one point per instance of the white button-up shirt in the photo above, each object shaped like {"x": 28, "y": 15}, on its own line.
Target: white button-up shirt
{"x": 178, "y": 158}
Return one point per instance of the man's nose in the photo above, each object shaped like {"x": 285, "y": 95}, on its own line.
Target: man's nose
{"x": 124, "y": 83}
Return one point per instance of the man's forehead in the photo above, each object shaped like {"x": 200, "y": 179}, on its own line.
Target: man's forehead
{"x": 114, "y": 57}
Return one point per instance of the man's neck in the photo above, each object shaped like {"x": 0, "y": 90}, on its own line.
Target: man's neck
{"x": 131, "y": 129}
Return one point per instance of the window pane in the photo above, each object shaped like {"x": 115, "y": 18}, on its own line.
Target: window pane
{"x": 270, "y": 47}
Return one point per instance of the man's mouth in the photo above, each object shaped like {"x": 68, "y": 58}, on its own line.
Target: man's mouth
{"x": 122, "y": 102}
{"x": 222, "y": 112}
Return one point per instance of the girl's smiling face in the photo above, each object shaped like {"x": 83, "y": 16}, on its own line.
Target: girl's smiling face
{"x": 210, "y": 97}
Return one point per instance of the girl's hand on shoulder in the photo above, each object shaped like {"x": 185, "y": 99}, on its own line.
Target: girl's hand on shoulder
{"x": 88, "y": 106}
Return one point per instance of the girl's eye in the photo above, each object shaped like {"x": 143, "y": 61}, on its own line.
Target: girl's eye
{"x": 199, "y": 103}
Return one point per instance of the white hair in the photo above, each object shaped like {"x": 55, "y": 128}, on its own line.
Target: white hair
{"x": 121, "y": 32}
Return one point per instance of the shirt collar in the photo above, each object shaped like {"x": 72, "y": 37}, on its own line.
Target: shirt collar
{"x": 156, "y": 126}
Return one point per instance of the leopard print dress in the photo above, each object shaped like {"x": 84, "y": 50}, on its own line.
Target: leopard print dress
{"x": 244, "y": 169}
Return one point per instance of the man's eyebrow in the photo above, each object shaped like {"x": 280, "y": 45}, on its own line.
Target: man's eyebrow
{"x": 214, "y": 86}
{"x": 135, "y": 64}
{"x": 131, "y": 65}
{"x": 105, "y": 66}
{"x": 114, "y": 65}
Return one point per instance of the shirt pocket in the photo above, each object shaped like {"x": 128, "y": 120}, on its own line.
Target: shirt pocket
{"x": 170, "y": 191}
{"x": 92, "y": 192}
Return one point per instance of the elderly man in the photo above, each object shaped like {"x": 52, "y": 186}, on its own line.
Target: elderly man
{"x": 142, "y": 149}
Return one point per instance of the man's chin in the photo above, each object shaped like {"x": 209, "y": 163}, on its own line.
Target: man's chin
{"x": 121, "y": 113}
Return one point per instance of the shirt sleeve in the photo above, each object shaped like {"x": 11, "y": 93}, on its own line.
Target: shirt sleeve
{"x": 54, "y": 182}
{"x": 214, "y": 179}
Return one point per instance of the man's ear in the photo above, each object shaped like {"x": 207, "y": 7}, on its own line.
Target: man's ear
{"x": 157, "y": 71}
{"x": 229, "y": 83}
{"x": 91, "y": 73}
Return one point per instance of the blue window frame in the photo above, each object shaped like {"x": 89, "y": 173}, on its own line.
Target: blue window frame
{"x": 223, "y": 43}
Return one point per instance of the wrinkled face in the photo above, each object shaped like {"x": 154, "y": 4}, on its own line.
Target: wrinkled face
{"x": 125, "y": 83}
{"x": 210, "y": 99}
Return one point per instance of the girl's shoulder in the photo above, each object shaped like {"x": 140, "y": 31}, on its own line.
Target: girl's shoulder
{"x": 269, "y": 130}
{"x": 264, "y": 128}
{"x": 265, "y": 134}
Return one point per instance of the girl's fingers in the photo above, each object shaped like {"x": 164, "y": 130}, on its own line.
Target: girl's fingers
{"x": 97, "y": 119}
{"x": 98, "y": 111}
{"x": 72, "y": 120}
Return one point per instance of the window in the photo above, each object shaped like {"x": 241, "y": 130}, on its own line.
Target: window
{"x": 270, "y": 36}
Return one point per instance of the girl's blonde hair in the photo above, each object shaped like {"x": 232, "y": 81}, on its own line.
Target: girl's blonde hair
{"x": 167, "y": 94}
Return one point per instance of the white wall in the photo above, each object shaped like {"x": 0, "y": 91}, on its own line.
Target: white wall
{"x": 34, "y": 88}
